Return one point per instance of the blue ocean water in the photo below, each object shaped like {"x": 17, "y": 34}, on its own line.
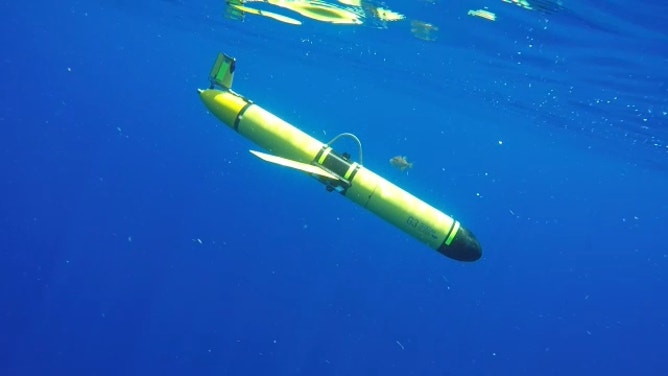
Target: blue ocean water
{"x": 140, "y": 237}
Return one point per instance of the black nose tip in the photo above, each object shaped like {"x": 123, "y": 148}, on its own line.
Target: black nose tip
{"x": 465, "y": 247}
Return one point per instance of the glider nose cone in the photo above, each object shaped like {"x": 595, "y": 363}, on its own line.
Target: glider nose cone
{"x": 465, "y": 247}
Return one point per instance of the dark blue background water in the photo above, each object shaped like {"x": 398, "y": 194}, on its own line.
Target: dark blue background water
{"x": 138, "y": 236}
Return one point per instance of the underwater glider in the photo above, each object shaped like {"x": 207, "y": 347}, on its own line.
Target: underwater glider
{"x": 290, "y": 147}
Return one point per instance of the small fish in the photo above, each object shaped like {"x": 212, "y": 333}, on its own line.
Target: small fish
{"x": 401, "y": 163}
